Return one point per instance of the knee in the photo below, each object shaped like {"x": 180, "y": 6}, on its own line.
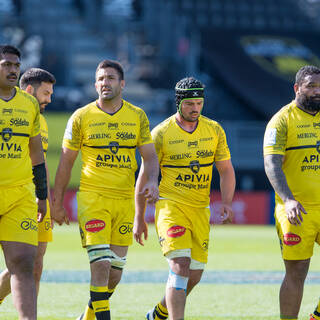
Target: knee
{"x": 100, "y": 271}
{"x": 297, "y": 270}
{"x": 194, "y": 280}
{"x": 21, "y": 263}
{"x": 37, "y": 270}
{"x": 180, "y": 266}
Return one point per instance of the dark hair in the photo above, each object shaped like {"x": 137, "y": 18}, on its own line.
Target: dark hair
{"x": 111, "y": 64}
{"x": 6, "y": 48}
{"x": 35, "y": 76}
{"x": 306, "y": 71}
{"x": 183, "y": 89}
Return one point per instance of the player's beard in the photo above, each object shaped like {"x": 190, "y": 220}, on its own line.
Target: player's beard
{"x": 309, "y": 103}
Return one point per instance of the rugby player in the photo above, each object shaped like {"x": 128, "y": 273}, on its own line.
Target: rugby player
{"x": 187, "y": 145}
{"x": 21, "y": 160}
{"x": 107, "y": 131}
{"x": 291, "y": 159}
{"x": 39, "y": 83}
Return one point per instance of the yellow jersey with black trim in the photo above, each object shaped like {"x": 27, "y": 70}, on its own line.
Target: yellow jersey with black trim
{"x": 19, "y": 121}
{"x": 44, "y": 134}
{"x": 186, "y": 159}
{"x": 108, "y": 145}
{"x": 295, "y": 134}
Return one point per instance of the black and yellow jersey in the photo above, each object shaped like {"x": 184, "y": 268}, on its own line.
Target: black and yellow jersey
{"x": 295, "y": 134}
{"x": 186, "y": 159}
{"x": 44, "y": 134}
{"x": 19, "y": 120}
{"x": 108, "y": 144}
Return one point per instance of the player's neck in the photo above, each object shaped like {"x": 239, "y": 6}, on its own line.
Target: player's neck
{"x": 110, "y": 106}
{"x": 305, "y": 110}
{"x": 6, "y": 93}
{"x": 188, "y": 126}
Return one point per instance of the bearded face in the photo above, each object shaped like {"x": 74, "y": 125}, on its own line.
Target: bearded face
{"x": 309, "y": 103}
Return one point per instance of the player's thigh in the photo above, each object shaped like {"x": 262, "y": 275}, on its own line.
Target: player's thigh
{"x": 122, "y": 216}
{"x": 200, "y": 218}
{"x": 18, "y": 220}
{"x": 173, "y": 226}
{"x": 296, "y": 242}
{"x": 94, "y": 219}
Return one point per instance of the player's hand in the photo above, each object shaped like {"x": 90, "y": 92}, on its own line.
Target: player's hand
{"x": 294, "y": 210}
{"x": 140, "y": 228}
{"x": 151, "y": 192}
{"x": 226, "y": 213}
{"x": 42, "y": 209}
{"x": 59, "y": 214}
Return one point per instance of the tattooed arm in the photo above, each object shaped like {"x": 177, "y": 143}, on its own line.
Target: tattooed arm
{"x": 277, "y": 178}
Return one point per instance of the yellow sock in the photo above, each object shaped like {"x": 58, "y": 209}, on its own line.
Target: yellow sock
{"x": 160, "y": 312}
{"x": 100, "y": 302}
{"x": 110, "y": 292}
{"x": 89, "y": 313}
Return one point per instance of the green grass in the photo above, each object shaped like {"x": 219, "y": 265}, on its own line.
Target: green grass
{"x": 231, "y": 248}
{"x": 56, "y": 125}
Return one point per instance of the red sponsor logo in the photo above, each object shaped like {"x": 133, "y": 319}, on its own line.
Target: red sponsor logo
{"x": 176, "y": 231}
{"x": 95, "y": 225}
{"x": 291, "y": 239}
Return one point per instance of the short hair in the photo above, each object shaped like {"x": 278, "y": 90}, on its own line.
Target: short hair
{"x": 6, "y": 48}
{"x": 111, "y": 64}
{"x": 183, "y": 90}
{"x": 35, "y": 76}
{"x": 306, "y": 71}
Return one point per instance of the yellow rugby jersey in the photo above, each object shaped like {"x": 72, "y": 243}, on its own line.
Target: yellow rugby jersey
{"x": 44, "y": 134}
{"x": 186, "y": 159}
{"x": 19, "y": 120}
{"x": 108, "y": 145}
{"x": 295, "y": 134}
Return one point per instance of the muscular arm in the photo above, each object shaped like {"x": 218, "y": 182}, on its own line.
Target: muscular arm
{"x": 277, "y": 178}
{"x": 37, "y": 157}
{"x": 227, "y": 187}
{"x": 62, "y": 179}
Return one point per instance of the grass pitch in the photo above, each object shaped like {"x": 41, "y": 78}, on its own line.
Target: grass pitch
{"x": 234, "y": 251}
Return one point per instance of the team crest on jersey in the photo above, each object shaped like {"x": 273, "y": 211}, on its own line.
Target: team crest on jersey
{"x": 194, "y": 166}
{"x": 318, "y": 146}
{"x": 6, "y": 134}
{"x": 114, "y": 147}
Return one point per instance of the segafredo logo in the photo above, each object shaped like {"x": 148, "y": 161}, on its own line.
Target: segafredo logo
{"x": 291, "y": 239}
{"x": 176, "y": 231}
{"x": 95, "y": 225}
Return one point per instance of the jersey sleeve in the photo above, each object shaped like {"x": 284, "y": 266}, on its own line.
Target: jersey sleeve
{"x": 157, "y": 137}
{"x": 145, "y": 136}
{"x": 35, "y": 130}
{"x": 275, "y": 137}
{"x": 222, "y": 151}
{"x": 73, "y": 136}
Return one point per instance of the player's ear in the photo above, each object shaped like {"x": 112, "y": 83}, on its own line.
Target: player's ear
{"x": 296, "y": 87}
{"x": 122, "y": 84}
{"x": 30, "y": 89}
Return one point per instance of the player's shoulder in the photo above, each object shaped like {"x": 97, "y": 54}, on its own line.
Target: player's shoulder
{"x": 283, "y": 114}
{"x": 83, "y": 111}
{"x": 23, "y": 95}
{"x": 210, "y": 123}
{"x": 133, "y": 108}
{"x": 163, "y": 126}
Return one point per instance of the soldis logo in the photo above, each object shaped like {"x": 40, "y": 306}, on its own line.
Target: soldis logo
{"x": 291, "y": 239}
{"x": 176, "y": 231}
{"x": 95, "y": 225}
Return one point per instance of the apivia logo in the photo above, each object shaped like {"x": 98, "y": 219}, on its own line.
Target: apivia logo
{"x": 114, "y": 147}
{"x": 6, "y": 134}
{"x": 195, "y": 166}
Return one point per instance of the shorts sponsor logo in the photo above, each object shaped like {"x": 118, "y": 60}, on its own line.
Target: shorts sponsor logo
{"x": 126, "y": 135}
{"x": 81, "y": 233}
{"x": 176, "y": 231}
{"x": 205, "y": 245}
{"x": 19, "y": 122}
{"x": 6, "y": 134}
{"x": 29, "y": 224}
{"x": 161, "y": 240}
{"x": 95, "y": 225}
{"x": 113, "y": 126}
{"x": 47, "y": 224}
{"x": 126, "y": 228}
{"x": 291, "y": 239}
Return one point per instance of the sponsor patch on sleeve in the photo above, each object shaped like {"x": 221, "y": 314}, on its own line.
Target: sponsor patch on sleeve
{"x": 68, "y": 131}
{"x": 270, "y": 137}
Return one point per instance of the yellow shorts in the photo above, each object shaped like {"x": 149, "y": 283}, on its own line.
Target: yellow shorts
{"x": 18, "y": 214}
{"x": 44, "y": 227}
{"x": 103, "y": 220}
{"x": 297, "y": 242}
{"x": 180, "y": 226}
